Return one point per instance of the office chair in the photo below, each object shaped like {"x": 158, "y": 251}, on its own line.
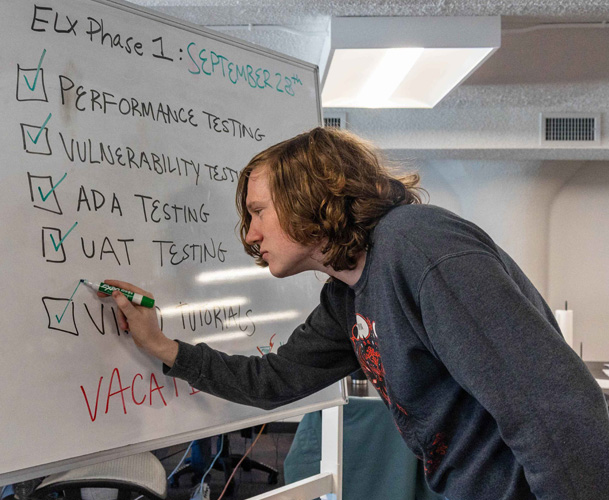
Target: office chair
{"x": 141, "y": 474}
{"x": 201, "y": 458}
{"x": 231, "y": 460}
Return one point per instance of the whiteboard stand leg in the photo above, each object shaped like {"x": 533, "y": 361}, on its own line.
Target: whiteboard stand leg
{"x": 330, "y": 477}
{"x": 332, "y": 449}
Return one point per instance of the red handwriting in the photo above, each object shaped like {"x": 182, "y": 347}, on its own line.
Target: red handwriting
{"x": 138, "y": 392}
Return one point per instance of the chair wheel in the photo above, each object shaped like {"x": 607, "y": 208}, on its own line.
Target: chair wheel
{"x": 273, "y": 478}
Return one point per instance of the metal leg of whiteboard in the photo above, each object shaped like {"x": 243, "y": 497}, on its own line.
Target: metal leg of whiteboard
{"x": 329, "y": 482}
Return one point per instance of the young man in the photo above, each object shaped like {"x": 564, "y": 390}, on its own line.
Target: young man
{"x": 462, "y": 348}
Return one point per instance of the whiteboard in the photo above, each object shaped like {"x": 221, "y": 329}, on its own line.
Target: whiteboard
{"x": 123, "y": 133}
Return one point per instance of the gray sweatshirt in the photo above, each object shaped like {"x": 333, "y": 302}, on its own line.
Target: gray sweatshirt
{"x": 464, "y": 352}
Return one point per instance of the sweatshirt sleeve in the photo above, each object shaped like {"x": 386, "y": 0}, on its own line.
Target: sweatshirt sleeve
{"x": 317, "y": 354}
{"x": 505, "y": 353}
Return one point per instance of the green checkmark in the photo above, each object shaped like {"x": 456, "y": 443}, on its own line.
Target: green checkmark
{"x": 32, "y": 87}
{"x": 64, "y": 311}
{"x": 62, "y": 239}
{"x": 44, "y": 197}
{"x": 41, "y": 129}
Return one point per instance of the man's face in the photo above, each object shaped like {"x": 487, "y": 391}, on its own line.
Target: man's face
{"x": 284, "y": 256}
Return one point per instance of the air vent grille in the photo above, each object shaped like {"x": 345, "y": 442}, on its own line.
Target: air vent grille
{"x": 336, "y": 120}
{"x": 333, "y": 122}
{"x": 570, "y": 128}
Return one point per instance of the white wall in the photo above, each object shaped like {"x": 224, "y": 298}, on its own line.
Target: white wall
{"x": 579, "y": 257}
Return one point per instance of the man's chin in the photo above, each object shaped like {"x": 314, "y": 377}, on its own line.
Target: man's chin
{"x": 280, "y": 273}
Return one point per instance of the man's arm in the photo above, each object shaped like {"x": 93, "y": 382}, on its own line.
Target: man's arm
{"x": 504, "y": 352}
{"x": 317, "y": 354}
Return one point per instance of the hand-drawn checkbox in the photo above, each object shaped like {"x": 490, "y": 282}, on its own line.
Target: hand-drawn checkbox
{"x": 52, "y": 251}
{"x": 36, "y": 139}
{"x": 43, "y": 184}
{"x": 30, "y": 84}
{"x": 60, "y": 313}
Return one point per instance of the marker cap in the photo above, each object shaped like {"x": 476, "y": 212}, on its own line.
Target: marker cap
{"x": 138, "y": 298}
{"x": 147, "y": 302}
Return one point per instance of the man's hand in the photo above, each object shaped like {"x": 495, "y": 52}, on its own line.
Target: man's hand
{"x": 142, "y": 323}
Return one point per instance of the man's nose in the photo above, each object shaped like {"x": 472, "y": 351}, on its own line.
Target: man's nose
{"x": 253, "y": 235}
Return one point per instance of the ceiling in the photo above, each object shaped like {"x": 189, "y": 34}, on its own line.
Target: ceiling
{"x": 293, "y": 11}
{"x": 553, "y": 56}
{"x": 535, "y": 48}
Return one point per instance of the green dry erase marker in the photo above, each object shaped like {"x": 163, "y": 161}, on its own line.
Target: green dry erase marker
{"x": 136, "y": 298}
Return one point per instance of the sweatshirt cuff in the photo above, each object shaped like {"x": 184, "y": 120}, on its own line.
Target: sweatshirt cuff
{"x": 188, "y": 362}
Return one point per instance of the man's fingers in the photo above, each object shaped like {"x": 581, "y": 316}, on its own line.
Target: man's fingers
{"x": 122, "y": 320}
{"x": 126, "y": 307}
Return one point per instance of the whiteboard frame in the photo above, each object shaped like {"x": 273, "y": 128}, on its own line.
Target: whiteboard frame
{"x": 333, "y": 460}
{"x": 154, "y": 444}
{"x": 195, "y": 28}
{"x": 329, "y": 481}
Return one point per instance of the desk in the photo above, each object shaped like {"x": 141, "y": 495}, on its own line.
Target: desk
{"x": 596, "y": 369}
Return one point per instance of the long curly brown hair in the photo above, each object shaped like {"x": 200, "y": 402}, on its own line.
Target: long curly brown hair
{"x": 329, "y": 186}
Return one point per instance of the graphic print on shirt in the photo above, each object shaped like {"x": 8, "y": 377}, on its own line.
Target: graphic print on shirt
{"x": 365, "y": 344}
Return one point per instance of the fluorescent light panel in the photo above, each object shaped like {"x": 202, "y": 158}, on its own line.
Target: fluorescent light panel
{"x": 392, "y": 67}
{"x": 397, "y": 78}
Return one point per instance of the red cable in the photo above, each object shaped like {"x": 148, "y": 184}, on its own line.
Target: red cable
{"x": 239, "y": 463}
